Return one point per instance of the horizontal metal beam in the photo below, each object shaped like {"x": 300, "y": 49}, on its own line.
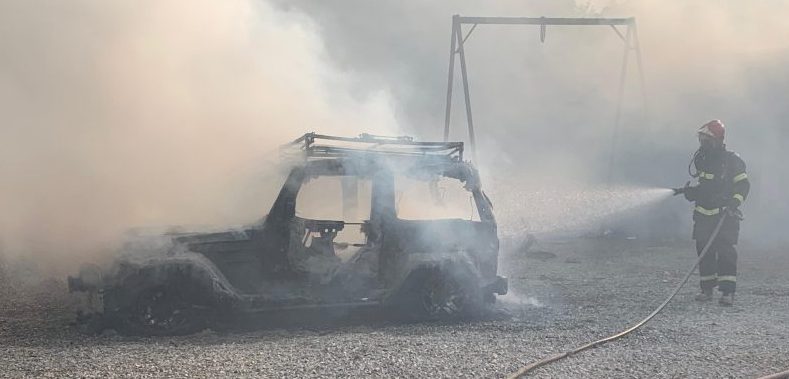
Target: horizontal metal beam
{"x": 545, "y": 21}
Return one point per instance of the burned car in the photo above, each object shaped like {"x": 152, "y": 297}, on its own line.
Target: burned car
{"x": 359, "y": 222}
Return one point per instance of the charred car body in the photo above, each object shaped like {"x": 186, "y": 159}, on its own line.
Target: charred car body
{"x": 421, "y": 267}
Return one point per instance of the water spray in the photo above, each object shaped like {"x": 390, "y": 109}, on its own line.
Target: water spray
{"x": 545, "y": 209}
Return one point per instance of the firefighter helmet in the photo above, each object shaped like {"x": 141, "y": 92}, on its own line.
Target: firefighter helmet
{"x": 714, "y": 129}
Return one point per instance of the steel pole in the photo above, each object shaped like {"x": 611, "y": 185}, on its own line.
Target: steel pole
{"x": 450, "y": 79}
{"x": 618, "y": 117}
{"x": 637, "y": 47}
{"x": 469, "y": 119}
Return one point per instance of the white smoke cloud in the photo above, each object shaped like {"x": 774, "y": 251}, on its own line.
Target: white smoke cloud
{"x": 119, "y": 114}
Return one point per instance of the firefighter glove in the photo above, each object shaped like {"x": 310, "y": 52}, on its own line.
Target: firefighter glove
{"x": 689, "y": 192}
{"x": 734, "y": 212}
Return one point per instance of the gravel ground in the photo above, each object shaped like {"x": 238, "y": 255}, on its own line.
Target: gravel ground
{"x": 564, "y": 293}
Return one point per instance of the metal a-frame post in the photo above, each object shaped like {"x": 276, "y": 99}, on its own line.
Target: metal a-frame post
{"x": 457, "y": 47}
{"x": 631, "y": 43}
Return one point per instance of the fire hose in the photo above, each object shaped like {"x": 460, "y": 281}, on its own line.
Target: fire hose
{"x": 777, "y": 375}
{"x": 534, "y": 365}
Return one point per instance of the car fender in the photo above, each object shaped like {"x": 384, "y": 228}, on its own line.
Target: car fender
{"x": 130, "y": 277}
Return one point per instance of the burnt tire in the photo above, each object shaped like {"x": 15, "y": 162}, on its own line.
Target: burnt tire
{"x": 165, "y": 309}
{"x": 437, "y": 294}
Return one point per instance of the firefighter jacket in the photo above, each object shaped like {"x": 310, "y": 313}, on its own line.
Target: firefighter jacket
{"x": 722, "y": 183}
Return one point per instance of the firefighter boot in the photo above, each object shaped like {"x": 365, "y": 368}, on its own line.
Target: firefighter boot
{"x": 705, "y": 295}
{"x": 727, "y": 299}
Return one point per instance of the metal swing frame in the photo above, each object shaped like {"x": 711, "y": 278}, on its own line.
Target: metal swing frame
{"x": 457, "y": 48}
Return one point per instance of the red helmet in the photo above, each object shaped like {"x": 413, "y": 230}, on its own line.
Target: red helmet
{"x": 714, "y": 129}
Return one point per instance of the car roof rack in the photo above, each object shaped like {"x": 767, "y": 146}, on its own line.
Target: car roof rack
{"x": 313, "y": 145}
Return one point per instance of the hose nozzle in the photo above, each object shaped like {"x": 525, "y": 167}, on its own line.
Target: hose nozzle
{"x": 681, "y": 190}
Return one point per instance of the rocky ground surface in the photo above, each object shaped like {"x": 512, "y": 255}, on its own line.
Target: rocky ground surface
{"x": 563, "y": 294}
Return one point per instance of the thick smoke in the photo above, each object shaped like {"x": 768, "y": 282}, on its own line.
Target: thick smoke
{"x": 119, "y": 114}
{"x": 544, "y": 111}
{"x": 123, "y": 114}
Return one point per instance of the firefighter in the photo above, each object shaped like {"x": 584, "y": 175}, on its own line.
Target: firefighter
{"x": 722, "y": 188}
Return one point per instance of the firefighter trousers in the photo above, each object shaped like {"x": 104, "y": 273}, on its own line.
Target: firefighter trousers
{"x": 719, "y": 266}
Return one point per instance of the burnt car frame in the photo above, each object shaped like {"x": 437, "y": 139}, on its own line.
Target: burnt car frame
{"x": 423, "y": 269}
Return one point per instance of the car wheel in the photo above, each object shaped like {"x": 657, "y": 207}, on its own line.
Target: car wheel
{"x": 165, "y": 310}
{"x": 447, "y": 296}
